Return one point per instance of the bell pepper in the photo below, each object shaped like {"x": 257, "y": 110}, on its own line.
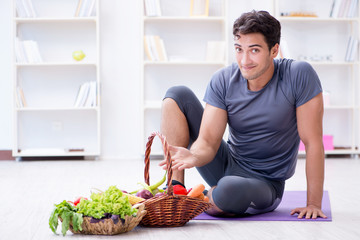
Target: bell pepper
{"x": 180, "y": 190}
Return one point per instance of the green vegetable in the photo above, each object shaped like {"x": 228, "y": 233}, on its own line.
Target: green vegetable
{"x": 111, "y": 201}
{"x": 68, "y": 214}
{"x": 153, "y": 188}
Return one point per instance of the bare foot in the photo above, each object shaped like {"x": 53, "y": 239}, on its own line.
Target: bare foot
{"x": 214, "y": 210}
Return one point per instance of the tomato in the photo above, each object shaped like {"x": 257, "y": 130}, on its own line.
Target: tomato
{"x": 76, "y": 202}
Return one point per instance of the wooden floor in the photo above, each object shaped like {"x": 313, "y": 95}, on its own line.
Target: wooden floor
{"x": 28, "y": 190}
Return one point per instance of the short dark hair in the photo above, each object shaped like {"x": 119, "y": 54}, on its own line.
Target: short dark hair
{"x": 259, "y": 22}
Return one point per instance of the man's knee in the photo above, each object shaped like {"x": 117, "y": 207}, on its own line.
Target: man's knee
{"x": 231, "y": 196}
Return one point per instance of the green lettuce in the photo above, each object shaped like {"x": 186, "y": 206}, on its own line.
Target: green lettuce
{"x": 68, "y": 214}
{"x": 111, "y": 201}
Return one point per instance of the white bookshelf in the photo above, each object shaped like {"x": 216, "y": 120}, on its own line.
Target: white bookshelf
{"x": 322, "y": 41}
{"x": 49, "y": 124}
{"x": 185, "y": 39}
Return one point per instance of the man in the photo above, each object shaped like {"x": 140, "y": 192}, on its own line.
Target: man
{"x": 269, "y": 105}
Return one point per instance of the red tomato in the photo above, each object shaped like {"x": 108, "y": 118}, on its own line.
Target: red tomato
{"x": 76, "y": 202}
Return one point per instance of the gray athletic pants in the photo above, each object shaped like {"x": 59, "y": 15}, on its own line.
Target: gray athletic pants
{"x": 237, "y": 191}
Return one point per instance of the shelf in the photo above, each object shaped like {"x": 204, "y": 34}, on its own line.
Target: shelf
{"x": 339, "y": 107}
{"x": 31, "y": 109}
{"x": 50, "y": 124}
{"x": 48, "y": 64}
{"x": 316, "y": 19}
{"x": 335, "y": 63}
{"x": 54, "y": 153}
{"x": 45, "y": 20}
{"x": 337, "y": 152}
{"x": 183, "y": 18}
{"x": 174, "y": 63}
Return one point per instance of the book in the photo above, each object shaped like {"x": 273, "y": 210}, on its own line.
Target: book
{"x": 82, "y": 95}
{"x": 352, "y": 49}
{"x": 152, "y": 8}
{"x": 352, "y": 8}
{"x": 160, "y": 48}
{"x": 31, "y": 52}
{"x": 85, "y": 8}
{"x": 215, "y": 51}
{"x": 91, "y": 98}
{"x": 31, "y": 8}
{"x": 25, "y": 9}
{"x": 87, "y": 95}
{"x": 199, "y": 8}
{"x": 155, "y": 48}
{"x": 20, "y": 97}
{"x": 77, "y": 11}
{"x": 336, "y": 8}
{"x": 147, "y": 49}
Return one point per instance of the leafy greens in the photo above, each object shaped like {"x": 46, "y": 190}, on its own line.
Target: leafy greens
{"x": 111, "y": 201}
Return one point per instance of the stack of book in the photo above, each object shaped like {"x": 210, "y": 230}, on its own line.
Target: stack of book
{"x": 85, "y": 8}
{"x": 25, "y": 9}
{"x": 344, "y": 8}
{"x": 352, "y": 49}
{"x": 154, "y": 48}
{"x": 152, "y": 8}
{"x": 27, "y": 51}
{"x": 87, "y": 95}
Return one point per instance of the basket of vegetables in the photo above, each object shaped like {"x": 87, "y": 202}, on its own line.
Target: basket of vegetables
{"x": 169, "y": 209}
{"x": 105, "y": 213}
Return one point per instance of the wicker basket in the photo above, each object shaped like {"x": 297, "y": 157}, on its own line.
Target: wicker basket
{"x": 169, "y": 210}
{"x": 108, "y": 227}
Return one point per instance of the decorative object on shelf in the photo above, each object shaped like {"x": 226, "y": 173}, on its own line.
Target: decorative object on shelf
{"x": 298, "y": 14}
{"x": 78, "y": 55}
{"x": 328, "y": 142}
{"x": 199, "y": 8}
{"x": 316, "y": 58}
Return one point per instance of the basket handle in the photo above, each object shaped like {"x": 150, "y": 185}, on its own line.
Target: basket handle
{"x": 167, "y": 157}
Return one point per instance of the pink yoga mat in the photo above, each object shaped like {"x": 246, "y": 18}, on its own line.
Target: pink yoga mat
{"x": 291, "y": 200}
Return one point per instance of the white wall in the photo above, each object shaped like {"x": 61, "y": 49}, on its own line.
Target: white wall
{"x": 5, "y": 76}
{"x": 120, "y": 38}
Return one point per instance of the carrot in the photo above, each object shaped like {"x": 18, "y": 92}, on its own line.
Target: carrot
{"x": 196, "y": 191}
{"x": 201, "y": 196}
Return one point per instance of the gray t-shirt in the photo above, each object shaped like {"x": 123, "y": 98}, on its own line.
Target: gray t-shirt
{"x": 263, "y": 136}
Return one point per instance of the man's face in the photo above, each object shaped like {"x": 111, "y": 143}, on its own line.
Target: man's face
{"x": 253, "y": 56}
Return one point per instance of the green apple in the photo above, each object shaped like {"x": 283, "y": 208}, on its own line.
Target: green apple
{"x": 78, "y": 55}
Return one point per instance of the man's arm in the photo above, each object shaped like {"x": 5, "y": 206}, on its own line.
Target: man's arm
{"x": 309, "y": 121}
{"x": 204, "y": 149}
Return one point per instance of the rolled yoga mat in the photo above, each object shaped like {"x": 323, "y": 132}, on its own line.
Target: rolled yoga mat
{"x": 290, "y": 200}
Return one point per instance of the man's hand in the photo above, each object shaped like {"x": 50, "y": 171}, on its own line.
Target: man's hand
{"x": 310, "y": 211}
{"x": 181, "y": 158}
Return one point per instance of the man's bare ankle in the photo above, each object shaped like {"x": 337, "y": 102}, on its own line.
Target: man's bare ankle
{"x": 214, "y": 210}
